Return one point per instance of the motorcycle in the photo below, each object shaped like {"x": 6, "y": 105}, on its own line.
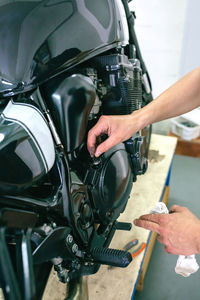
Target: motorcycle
{"x": 64, "y": 63}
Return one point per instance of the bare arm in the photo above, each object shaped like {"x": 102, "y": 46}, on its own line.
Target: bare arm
{"x": 180, "y": 98}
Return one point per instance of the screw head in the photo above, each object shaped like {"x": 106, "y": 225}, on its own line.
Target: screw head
{"x": 74, "y": 248}
{"x": 69, "y": 239}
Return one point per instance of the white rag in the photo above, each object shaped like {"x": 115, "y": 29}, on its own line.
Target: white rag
{"x": 186, "y": 265}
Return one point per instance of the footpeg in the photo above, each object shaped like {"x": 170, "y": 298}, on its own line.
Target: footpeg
{"x": 123, "y": 226}
{"x": 111, "y": 257}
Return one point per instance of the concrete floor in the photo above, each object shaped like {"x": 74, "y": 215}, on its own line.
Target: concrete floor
{"x": 161, "y": 282}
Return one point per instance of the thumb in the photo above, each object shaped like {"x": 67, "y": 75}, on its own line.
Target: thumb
{"x": 176, "y": 208}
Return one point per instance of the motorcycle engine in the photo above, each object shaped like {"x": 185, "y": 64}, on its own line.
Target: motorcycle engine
{"x": 109, "y": 178}
{"x": 100, "y": 188}
{"x": 122, "y": 78}
{"x": 121, "y": 92}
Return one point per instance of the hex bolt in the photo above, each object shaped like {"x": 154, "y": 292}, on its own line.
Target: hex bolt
{"x": 74, "y": 248}
{"x": 69, "y": 239}
{"x": 87, "y": 225}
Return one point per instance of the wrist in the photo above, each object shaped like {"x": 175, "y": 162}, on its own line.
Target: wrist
{"x": 141, "y": 118}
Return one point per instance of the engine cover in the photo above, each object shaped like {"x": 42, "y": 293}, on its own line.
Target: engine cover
{"x": 110, "y": 181}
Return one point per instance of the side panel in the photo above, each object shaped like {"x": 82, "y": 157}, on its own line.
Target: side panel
{"x": 70, "y": 101}
{"x": 26, "y": 147}
{"x": 34, "y": 123}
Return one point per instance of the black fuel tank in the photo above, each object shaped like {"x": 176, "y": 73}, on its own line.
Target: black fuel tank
{"x": 39, "y": 39}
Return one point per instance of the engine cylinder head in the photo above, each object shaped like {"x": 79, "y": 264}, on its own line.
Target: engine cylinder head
{"x": 123, "y": 79}
{"x": 131, "y": 93}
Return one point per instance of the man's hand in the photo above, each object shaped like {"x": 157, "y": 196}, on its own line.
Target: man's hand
{"x": 118, "y": 129}
{"x": 171, "y": 103}
{"x": 179, "y": 231}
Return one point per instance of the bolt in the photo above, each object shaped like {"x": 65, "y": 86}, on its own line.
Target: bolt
{"x": 87, "y": 225}
{"x": 74, "y": 248}
{"x": 57, "y": 261}
{"x": 69, "y": 239}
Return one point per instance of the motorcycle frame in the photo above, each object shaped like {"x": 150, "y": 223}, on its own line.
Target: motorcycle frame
{"x": 23, "y": 285}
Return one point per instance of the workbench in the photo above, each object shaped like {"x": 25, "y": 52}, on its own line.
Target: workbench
{"x": 153, "y": 186}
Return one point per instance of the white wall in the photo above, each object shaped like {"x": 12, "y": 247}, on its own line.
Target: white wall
{"x": 190, "y": 54}
{"x": 160, "y": 32}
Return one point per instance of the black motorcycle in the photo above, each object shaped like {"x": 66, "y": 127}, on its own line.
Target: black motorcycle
{"x": 64, "y": 63}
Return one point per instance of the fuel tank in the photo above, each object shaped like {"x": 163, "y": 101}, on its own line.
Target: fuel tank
{"x": 26, "y": 150}
{"x": 42, "y": 38}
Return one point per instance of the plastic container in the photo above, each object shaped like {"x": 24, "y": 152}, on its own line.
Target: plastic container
{"x": 184, "y": 128}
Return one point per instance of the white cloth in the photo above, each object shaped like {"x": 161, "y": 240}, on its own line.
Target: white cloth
{"x": 186, "y": 265}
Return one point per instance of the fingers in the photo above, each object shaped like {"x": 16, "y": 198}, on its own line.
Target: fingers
{"x": 154, "y": 222}
{"x": 116, "y": 127}
{"x": 106, "y": 145}
{"x": 160, "y": 239}
{"x": 169, "y": 250}
{"x": 147, "y": 225}
{"x": 177, "y": 208}
{"x": 163, "y": 240}
{"x": 93, "y": 134}
{"x": 106, "y": 125}
{"x": 155, "y": 218}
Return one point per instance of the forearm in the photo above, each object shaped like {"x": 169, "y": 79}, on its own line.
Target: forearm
{"x": 180, "y": 98}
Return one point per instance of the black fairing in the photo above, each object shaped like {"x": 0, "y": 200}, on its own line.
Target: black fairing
{"x": 33, "y": 48}
{"x": 70, "y": 101}
{"x": 68, "y": 201}
{"x": 20, "y": 163}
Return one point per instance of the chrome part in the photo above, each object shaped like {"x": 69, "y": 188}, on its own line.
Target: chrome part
{"x": 77, "y": 289}
{"x": 74, "y": 248}
{"x": 112, "y": 80}
{"x": 62, "y": 273}
{"x": 69, "y": 239}
{"x": 6, "y": 85}
{"x": 145, "y": 81}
